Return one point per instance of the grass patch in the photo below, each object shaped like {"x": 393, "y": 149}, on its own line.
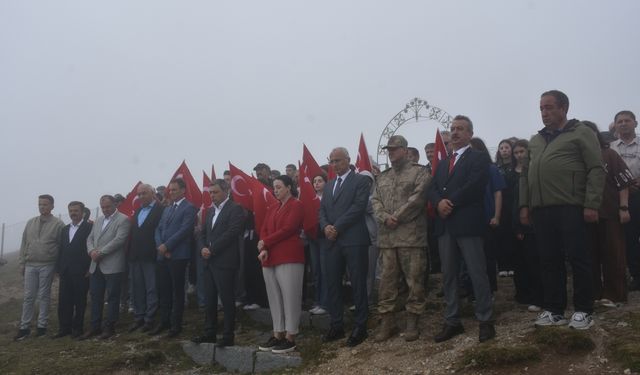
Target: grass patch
{"x": 563, "y": 341}
{"x": 625, "y": 347}
{"x": 487, "y": 356}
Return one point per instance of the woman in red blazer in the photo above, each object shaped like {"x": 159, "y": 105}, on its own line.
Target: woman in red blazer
{"x": 281, "y": 252}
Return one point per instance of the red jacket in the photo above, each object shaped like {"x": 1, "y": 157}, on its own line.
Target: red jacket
{"x": 281, "y": 233}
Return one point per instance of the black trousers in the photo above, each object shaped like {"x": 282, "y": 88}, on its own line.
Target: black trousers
{"x": 219, "y": 282}
{"x": 632, "y": 232}
{"x": 170, "y": 276}
{"x": 72, "y": 301}
{"x": 255, "y": 290}
{"x": 561, "y": 233}
{"x": 527, "y": 281}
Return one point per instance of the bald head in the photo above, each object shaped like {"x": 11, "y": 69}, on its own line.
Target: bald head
{"x": 339, "y": 160}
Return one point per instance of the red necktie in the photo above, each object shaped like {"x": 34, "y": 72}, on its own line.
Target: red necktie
{"x": 452, "y": 161}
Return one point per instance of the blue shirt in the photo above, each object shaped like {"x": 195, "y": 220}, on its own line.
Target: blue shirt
{"x": 144, "y": 212}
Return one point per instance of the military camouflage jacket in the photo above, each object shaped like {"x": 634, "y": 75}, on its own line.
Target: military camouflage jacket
{"x": 399, "y": 191}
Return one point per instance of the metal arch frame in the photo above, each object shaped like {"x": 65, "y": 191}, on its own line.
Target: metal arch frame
{"x": 416, "y": 109}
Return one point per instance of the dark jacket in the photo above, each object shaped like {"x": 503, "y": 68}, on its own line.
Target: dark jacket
{"x": 346, "y": 211}
{"x": 142, "y": 246}
{"x": 73, "y": 257}
{"x": 223, "y": 239}
{"x": 465, "y": 188}
{"x": 175, "y": 230}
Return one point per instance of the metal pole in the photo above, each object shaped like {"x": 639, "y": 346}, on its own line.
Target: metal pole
{"x": 2, "y": 243}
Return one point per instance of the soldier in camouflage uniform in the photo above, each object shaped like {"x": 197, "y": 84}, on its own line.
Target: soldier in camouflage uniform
{"x": 399, "y": 207}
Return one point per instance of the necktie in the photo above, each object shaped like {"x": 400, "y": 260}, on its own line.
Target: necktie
{"x": 452, "y": 161}
{"x": 338, "y": 184}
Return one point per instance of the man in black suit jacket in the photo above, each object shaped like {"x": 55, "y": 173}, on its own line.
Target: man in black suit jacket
{"x": 142, "y": 258}
{"x": 220, "y": 251}
{"x": 342, "y": 219}
{"x": 73, "y": 268}
{"x": 457, "y": 192}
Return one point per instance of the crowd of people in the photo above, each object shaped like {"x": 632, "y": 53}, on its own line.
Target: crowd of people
{"x": 568, "y": 195}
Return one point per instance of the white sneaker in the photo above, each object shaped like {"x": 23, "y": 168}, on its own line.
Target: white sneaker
{"x": 238, "y": 303}
{"x": 318, "y": 311}
{"x": 547, "y": 318}
{"x": 251, "y": 307}
{"x": 581, "y": 320}
{"x": 511, "y": 273}
{"x": 503, "y": 273}
{"x": 607, "y": 303}
{"x": 534, "y": 308}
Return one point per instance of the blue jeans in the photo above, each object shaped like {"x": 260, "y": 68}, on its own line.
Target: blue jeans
{"x": 112, "y": 285}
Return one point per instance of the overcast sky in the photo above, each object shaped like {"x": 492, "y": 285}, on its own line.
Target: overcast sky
{"x": 95, "y": 96}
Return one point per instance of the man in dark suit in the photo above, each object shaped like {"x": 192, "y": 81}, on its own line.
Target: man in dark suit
{"x": 457, "y": 193}
{"x": 142, "y": 258}
{"x": 342, "y": 220}
{"x": 73, "y": 269}
{"x": 220, "y": 251}
{"x": 173, "y": 241}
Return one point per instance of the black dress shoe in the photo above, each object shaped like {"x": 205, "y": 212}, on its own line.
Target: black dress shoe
{"x": 486, "y": 332}
{"x": 173, "y": 333}
{"x": 448, "y": 332}
{"x": 108, "y": 332}
{"x": 60, "y": 334}
{"x": 147, "y": 327}
{"x": 225, "y": 342}
{"x": 159, "y": 329}
{"x": 357, "y": 336}
{"x": 136, "y": 325}
{"x": 204, "y": 339}
{"x": 333, "y": 334}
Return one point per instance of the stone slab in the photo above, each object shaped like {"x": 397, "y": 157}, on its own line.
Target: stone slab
{"x": 266, "y": 361}
{"x": 201, "y": 354}
{"x": 236, "y": 358}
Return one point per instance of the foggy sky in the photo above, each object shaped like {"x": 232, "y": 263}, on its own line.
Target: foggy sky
{"x": 95, "y": 96}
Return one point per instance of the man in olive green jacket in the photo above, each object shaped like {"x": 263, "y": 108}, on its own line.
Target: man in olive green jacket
{"x": 562, "y": 189}
{"x": 399, "y": 208}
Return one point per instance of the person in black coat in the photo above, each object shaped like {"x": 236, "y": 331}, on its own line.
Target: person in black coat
{"x": 73, "y": 268}
{"x": 142, "y": 258}
{"x": 457, "y": 193}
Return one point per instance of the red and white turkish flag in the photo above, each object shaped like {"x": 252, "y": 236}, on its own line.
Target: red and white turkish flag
{"x": 213, "y": 173}
{"x": 131, "y": 203}
{"x": 241, "y": 187}
{"x": 363, "y": 163}
{"x": 440, "y": 152}
{"x": 262, "y": 199}
{"x": 309, "y": 164}
{"x": 206, "y": 197}
{"x": 192, "y": 193}
{"x": 311, "y": 204}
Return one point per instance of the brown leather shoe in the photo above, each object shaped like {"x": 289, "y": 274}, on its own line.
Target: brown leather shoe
{"x": 90, "y": 334}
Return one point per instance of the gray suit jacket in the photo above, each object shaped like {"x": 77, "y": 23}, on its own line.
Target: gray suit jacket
{"x": 110, "y": 242}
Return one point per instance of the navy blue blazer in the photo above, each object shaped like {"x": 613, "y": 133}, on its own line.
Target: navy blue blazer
{"x": 346, "y": 210}
{"x": 73, "y": 256}
{"x": 223, "y": 239}
{"x": 465, "y": 188}
{"x": 175, "y": 230}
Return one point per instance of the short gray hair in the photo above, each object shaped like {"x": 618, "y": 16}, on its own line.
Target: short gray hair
{"x": 342, "y": 150}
